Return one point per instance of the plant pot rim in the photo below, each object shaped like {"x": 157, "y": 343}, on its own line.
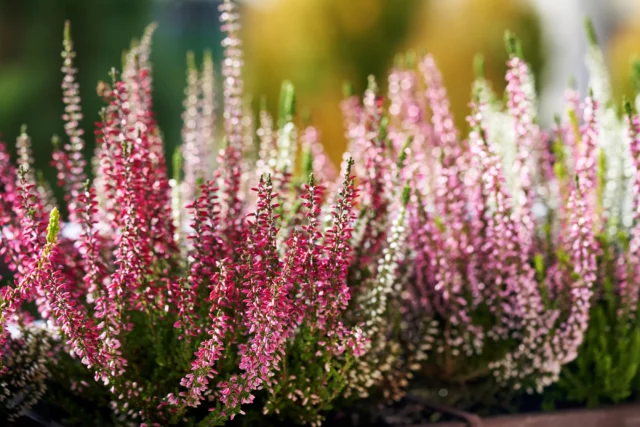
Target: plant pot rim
{"x": 627, "y": 415}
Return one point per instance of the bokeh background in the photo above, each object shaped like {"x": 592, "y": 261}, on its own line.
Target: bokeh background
{"x": 317, "y": 44}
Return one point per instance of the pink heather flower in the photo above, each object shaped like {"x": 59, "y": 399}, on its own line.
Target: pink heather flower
{"x": 194, "y": 158}
{"x": 572, "y": 102}
{"x": 69, "y": 161}
{"x": 208, "y": 113}
{"x": 268, "y": 152}
{"x": 324, "y": 257}
{"x": 422, "y": 236}
{"x": 112, "y": 132}
{"x": 231, "y": 203}
{"x": 501, "y": 246}
{"x": 546, "y": 344}
{"x": 90, "y": 243}
{"x": 409, "y": 130}
{"x": 509, "y": 286}
{"x": 198, "y": 151}
{"x": 42, "y": 196}
{"x": 376, "y": 176}
{"x": 352, "y": 114}
{"x": 205, "y": 252}
{"x": 29, "y": 211}
{"x": 9, "y": 221}
{"x": 634, "y": 243}
{"x": 321, "y": 164}
{"x": 268, "y": 308}
{"x": 133, "y": 246}
{"x": 210, "y": 350}
{"x": 21, "y": 239}
{"x": 206, "y": 238}
{"x": 339, "y": 252}
{"x": 357, "y": 342}
{"x": 309, "y": 269}
{"x": 634, "y": 135}
{"x": 232, "y": 64}
{"x": 82, "y": 336}
{"x": 629, "y": 294}
{"x": 137, "y": 78}
{"x": 521, "y": 96}
{"x": 320, "y": 295}
{"x": 44, "y": 278}
{"x": 439, "y": 104}
{"x": 142, "y": 218}
{"x": 405, "y": 106}
{"x": 107, "y": 304}
{"x": 582, "y": 249}
{"x": 586, "y": 162}
{"x": 128, "y": 129}
{"x": 202, "y": 367}
{"x": 449, "y": 187}
{"x": 450, "y": 246}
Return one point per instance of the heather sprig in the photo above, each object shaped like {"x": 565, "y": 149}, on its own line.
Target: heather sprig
{"x": 612, "y": 142}
{"x": 69, "y": 159}
{"x": 25, "y": 372}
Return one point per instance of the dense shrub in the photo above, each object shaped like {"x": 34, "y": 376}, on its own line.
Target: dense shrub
{"x": 258, "y": 280}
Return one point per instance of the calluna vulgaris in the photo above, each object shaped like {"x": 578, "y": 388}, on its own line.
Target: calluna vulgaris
{"x": 254, "y": 280}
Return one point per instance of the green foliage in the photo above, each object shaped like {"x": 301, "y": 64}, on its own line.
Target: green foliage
{"x": 513, "y": 45}
{"x": 591, "y": 32}
{"x": 287, "y": 103}
{"x": 605, "y": 370}
{"x": 319, "y": 376}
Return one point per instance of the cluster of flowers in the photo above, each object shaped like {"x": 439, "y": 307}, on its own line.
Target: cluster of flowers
{"x": 252, "y": 275}
{"x": 489, "y": 210}
{"x": 607, "y": 364}
{"x": 237, "y": 280}
{"x": 23, "y": 382}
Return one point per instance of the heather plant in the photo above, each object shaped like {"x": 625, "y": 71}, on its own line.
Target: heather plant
{"x": 495, "y": 299}
{"x": 606, "y": 367}
{"x": 261, "y": 279}
{"x": 524, "y": 244}
{"x": 189, "y": 298}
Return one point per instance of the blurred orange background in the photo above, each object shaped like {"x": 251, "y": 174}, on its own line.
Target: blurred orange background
{"x": 318, "y": 44}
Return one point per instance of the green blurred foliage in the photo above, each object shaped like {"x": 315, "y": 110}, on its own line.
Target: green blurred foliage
{"x": 318, "y": 44}
{"x": 30, "y": 62}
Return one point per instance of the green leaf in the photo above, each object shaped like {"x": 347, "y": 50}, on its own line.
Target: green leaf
{"x": 590, "y": 31}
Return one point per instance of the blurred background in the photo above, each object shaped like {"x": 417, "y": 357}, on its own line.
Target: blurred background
{"x": 317, "y": 44}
